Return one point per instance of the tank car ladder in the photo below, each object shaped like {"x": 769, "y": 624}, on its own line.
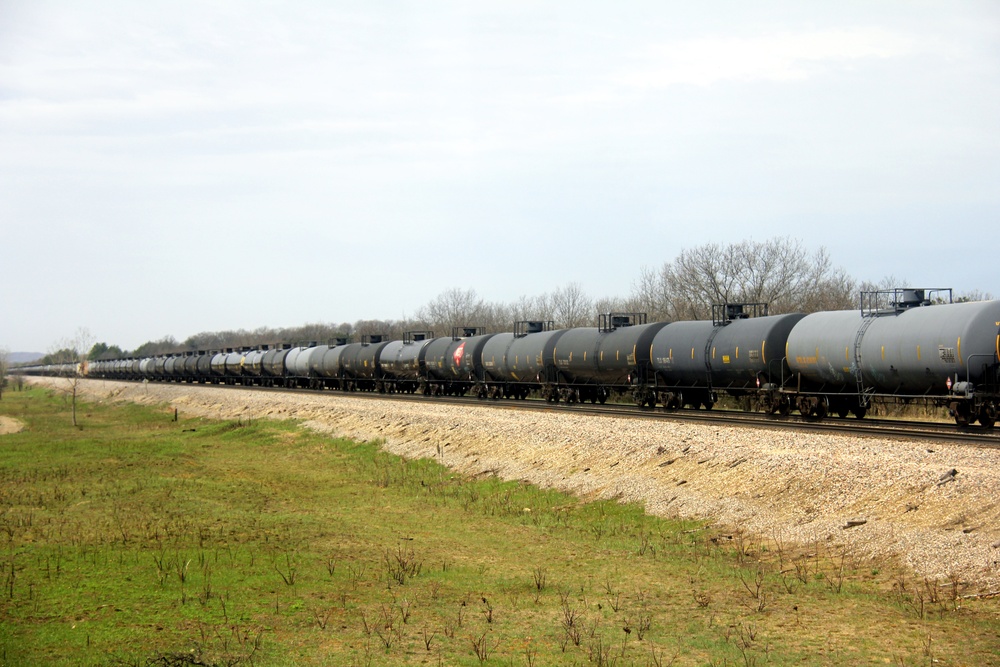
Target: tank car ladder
{"x": 864, "y": 395}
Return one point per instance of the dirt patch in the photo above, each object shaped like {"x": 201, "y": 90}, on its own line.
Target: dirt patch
{"x": 10, "y": 425}
{"x": 881, "y": 499}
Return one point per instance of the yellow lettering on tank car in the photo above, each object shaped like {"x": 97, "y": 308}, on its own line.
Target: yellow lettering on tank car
{"x": 725, "y": 358}
{"x": 692, "y": 353}
{"x": 883, "y": 353}
{"x": 959, "y": 350}
{"x": 585, "y": 356}
{"x": 918, "y": 353}
{"x": 763, "y": 359}
{"x": 737, "y": 352}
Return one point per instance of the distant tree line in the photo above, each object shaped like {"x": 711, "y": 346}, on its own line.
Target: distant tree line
{"x": 779, "y": 272}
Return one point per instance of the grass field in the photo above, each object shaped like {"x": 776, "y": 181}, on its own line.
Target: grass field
{"x": 140, "y": 540}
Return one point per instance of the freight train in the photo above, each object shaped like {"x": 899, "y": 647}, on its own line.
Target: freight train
{"x": 900, "y": 345}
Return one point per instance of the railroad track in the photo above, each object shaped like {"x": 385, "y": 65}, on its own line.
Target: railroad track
{"x": 873, "y": 428}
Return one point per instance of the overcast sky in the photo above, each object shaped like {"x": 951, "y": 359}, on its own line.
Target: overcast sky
{"x": 174, "y": 167}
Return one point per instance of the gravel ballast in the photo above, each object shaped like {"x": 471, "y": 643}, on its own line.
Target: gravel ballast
{"x": 881, "y": 499}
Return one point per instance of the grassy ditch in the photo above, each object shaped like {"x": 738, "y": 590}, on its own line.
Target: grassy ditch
{"x": 138, "y": 540}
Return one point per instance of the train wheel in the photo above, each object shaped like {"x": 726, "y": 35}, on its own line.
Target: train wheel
{"x": 962, "y": 413}
{"x": 988, "y": 415}
{"x": 805, "y": 406}
{"x": 859, "y": 412}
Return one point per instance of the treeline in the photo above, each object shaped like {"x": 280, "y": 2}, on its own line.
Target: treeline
{"x": 779, "y": 272}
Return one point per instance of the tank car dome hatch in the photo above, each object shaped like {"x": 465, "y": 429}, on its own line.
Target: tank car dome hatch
{"x": 611, "y": 321}
{"x": 897, "y": 299}
{"x": 724, "y": 313}
{"x": 914, "y": 297}
{"x": 534, "y": 326}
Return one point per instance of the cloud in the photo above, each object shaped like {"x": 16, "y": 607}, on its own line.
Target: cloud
{"x": 779, "y": 58}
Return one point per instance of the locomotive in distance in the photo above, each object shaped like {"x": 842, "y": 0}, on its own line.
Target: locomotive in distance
{"x": 900, "y": 345}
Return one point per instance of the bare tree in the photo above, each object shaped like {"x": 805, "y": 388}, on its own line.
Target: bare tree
{"x": 608, "y": 304}
{"x": 571, "y": 307}
{"x": 973, "y": 295}
{"x": 650, "y": 295}
{"x": 386, "y": 328}
{"x": 79, "y": 346}
{"x": 453, "y": 308}
{"x": 531, "y": 308}
{"x": 779, "y": 272}
{"x": 496, "y": 317}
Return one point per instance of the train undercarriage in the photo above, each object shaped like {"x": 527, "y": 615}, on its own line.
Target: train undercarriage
{"x": 965, "y": 403}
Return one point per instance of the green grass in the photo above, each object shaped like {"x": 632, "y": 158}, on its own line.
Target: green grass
{"x": 137, "y": 540}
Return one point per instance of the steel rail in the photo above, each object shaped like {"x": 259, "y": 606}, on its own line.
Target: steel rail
{"x": 870, "y": 428}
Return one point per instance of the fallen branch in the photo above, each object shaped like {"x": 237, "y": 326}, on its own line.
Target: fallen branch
{"x": 980, "y": 596}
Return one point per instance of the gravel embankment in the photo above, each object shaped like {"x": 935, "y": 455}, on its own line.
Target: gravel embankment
{"x": 799, "y": 488}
